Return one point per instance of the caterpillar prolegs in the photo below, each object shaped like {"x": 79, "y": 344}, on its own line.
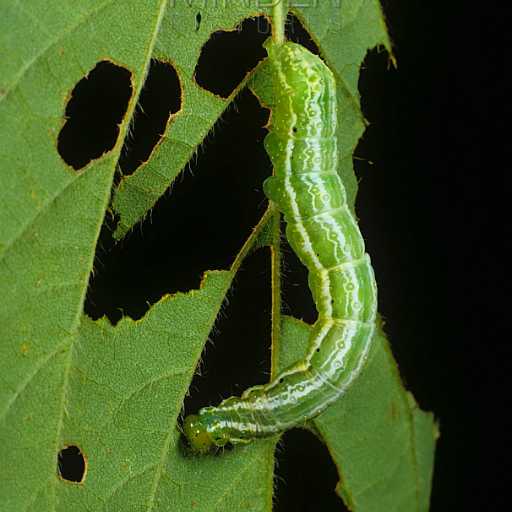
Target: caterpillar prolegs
{"x": 323, "y": 233}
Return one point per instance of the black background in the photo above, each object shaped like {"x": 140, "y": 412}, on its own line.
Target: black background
{"x": 423, "y": 214}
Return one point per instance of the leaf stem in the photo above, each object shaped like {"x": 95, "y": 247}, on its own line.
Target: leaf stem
{"x": 275, "y": 249}
{"x": 249, "y": 244}
{"x": 279, "y": 12}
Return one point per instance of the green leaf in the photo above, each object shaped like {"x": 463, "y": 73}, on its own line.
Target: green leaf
{"x": 381, "y": 442}
{"x": 116, "y": 392}
{"x": 51, "y": 216}
{"x": 123, "y": 399}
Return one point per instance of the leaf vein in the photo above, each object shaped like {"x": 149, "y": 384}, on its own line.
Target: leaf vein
{"x": 149, "y": 383}
{"x": 24, "y": 69}
{"x": 123, "y": 482}
{"x": 19, "y": 391}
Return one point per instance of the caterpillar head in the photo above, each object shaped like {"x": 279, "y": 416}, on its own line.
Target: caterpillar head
{"x": 201, "y": 438}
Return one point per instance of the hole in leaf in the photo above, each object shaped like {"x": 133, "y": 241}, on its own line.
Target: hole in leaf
{"x": 198, "y": 21}
{"x": 306, "y": 476}
{"x": 159, "y": 99}
{"x": 296, "y": 295}
{"x": 71, "y": 464}
{"x": 97, "y": 105}
{"x": 296, "y": 32}
{"x": 227, "y": 57}
{"x": 199, "y": 224}
{"x": 239, "y": 355}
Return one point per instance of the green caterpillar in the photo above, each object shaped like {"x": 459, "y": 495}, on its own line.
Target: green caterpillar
{"x": 323, "y": 233}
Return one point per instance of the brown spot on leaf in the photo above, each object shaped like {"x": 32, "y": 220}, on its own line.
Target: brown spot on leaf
{"x": 394, "y": 411}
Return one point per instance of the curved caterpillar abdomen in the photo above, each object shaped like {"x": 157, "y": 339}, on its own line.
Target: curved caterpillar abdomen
{"x": 324, "y": 234}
